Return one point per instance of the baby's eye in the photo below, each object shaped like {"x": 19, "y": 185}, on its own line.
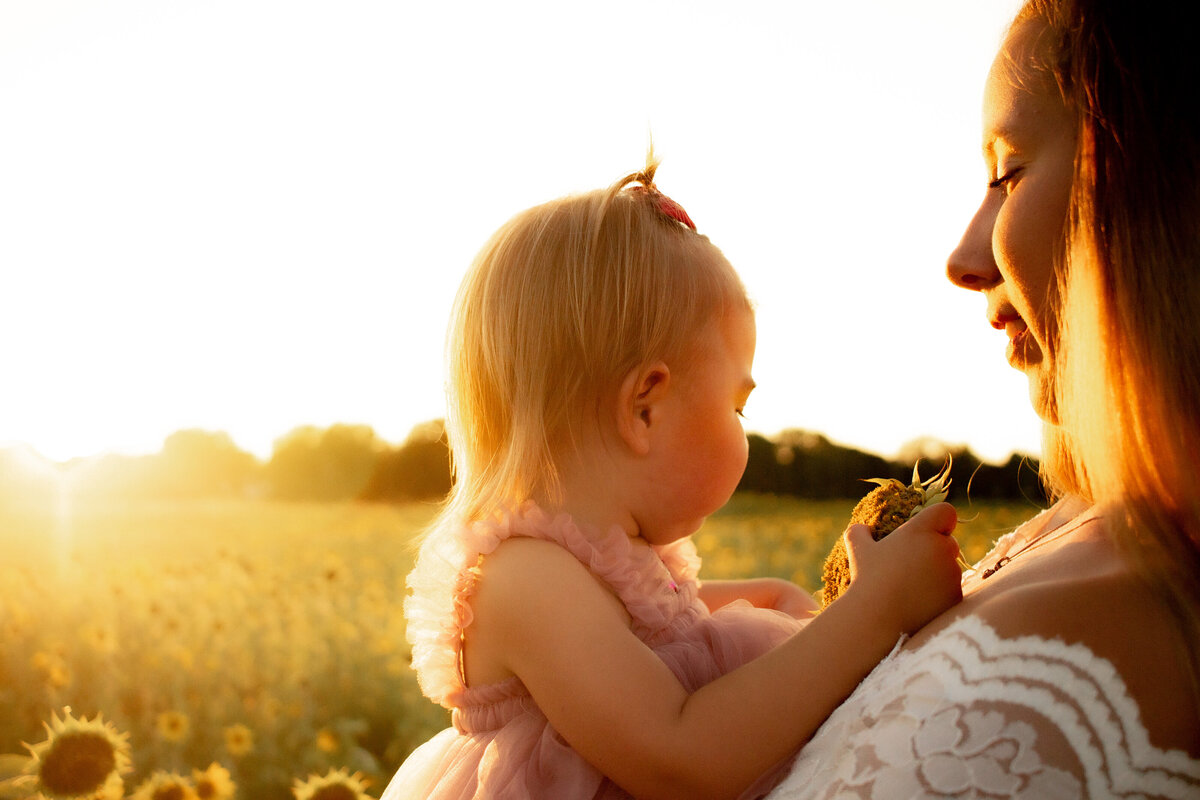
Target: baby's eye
{"x": 741, "y": 412}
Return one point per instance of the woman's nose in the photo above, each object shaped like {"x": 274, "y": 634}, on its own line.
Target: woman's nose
{"x": 972, "y": 265}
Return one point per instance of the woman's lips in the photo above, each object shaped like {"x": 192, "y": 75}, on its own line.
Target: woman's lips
{"x": 1022, "y": 349}
{"x": 1018, "y": 341}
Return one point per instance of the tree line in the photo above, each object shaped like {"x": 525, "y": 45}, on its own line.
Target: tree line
{"x": 350, "y": 462}
{"x": 337, "y": 463}
{"x": 806, "y": 464}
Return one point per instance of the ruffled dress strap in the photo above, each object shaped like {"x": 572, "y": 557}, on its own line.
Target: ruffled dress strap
{"x": 656, "y": 584}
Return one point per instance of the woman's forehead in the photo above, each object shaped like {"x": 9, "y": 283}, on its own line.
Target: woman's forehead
{"x": 1021, "y": 96}
{"x": 1024, "y": 58}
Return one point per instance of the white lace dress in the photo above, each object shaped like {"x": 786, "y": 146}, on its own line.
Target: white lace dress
{"x": 968, "y": 714}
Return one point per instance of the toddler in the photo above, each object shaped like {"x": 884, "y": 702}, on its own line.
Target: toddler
{"x": 600, "y": 357}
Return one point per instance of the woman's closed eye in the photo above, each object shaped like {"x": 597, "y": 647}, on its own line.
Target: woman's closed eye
{"x": 1005, "y": 181}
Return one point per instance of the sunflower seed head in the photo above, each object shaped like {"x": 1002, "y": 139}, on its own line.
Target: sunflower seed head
{"x": 883, "y": 510}
{"x": 886, "y": 508}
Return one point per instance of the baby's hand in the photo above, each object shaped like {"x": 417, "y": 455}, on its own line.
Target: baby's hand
{"x": 795, "y": 602}
{"x": 914, "y": 570}
{"x": 774, "y": 593}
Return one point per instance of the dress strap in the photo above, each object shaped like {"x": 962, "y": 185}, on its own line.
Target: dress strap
{"x": 654, "y": 584}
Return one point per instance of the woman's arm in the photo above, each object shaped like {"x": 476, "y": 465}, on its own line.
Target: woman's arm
{"x": 564, "y": 634}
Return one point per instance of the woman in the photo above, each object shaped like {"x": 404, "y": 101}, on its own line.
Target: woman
{"x": 1072, "y": 667}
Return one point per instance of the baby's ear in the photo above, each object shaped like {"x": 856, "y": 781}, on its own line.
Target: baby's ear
{"x": 638, "y": 404}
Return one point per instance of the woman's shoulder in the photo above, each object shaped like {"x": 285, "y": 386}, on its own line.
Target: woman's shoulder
{"x": 1122, "y": 622}
{"x": 972, "y": 711}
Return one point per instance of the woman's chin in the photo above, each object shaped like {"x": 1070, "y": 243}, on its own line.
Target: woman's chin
{"x": 1041, "y": 397}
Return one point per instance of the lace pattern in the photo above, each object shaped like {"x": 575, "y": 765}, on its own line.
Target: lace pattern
{"x": 971, "y": 715}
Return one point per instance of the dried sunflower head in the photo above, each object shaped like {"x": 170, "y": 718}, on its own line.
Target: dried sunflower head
{"x": 80, "y": 758}
{"x": 883, "y": 510}
{"x": 336, "y": 784}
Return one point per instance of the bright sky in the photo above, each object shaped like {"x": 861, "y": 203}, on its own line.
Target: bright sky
{"x": 249, "y": 215}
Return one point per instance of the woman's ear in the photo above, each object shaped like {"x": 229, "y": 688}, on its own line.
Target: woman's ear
{"x": 638, "y": 404}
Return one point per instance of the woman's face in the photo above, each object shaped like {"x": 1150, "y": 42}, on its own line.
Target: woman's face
{"x": 1008, "y": 250}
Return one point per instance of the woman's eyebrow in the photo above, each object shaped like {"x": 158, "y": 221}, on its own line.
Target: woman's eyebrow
{"x": 1005, "y": 134}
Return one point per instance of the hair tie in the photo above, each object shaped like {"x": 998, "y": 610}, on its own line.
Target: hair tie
{"x": 665, "y": 204}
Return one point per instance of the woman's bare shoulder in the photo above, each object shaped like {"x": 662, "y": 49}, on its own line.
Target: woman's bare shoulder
{"x": 1122, "y": 620}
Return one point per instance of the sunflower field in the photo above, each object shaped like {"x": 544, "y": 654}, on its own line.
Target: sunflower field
{"x": 256, "y": 649}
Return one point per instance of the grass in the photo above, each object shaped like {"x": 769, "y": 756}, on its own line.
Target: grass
{"x": 283, "y": 618}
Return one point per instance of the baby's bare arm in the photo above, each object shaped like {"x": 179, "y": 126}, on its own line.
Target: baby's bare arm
{"x": 773, "y": 593}
{"x": 618, "y": 704}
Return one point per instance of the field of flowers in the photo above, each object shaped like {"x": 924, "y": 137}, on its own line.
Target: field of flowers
{"x": 262, "y": 644}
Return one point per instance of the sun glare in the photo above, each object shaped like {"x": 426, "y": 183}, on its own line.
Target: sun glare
{"x": 34, "y": 483}
{"x": 276, "y": 239}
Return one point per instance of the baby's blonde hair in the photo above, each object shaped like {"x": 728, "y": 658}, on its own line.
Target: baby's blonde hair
{"x": 559, "y": 305}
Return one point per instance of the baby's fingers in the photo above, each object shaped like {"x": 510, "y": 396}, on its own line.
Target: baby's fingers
{"x": 942, "y": 518}
{"x": 933, "y": 528}
{"x": 939, "y": 518}
{"x": 857, "y": 540}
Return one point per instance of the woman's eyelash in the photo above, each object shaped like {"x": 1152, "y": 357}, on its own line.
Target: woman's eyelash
{"x": 1004, "y": 179}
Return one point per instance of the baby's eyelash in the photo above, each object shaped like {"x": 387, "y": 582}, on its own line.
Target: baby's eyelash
{"x": 740, "y": 412}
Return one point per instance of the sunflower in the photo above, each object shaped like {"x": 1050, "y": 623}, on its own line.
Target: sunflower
{"x": 54, "y": 671}
{"x": 334, "y": 568}
{"x": 80, "y": 758}
{"x": 102, "y": 638}
{"x": 59, "y": 676}
{"x": 173, "y": 726}
{"x": 113, "y": 789}
{"x": 213, "y": 783}
{"x": 239, "y": 740}
{"x": 327, "y": 741}
{"x": 336, "y": 784}
{"x": 162, "y": 785}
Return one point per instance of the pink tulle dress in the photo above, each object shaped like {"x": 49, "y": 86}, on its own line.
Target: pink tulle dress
{"x": 501, "y": 747}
